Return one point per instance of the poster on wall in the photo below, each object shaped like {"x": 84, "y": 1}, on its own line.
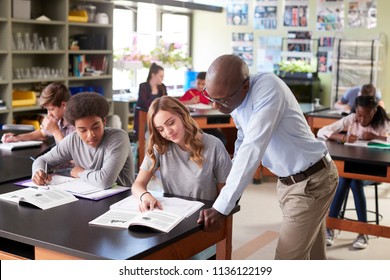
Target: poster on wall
{"x": 295, "y": 13}
{"x": 265, "y": 16}
{"x": 325, "y": 54}
{"x": 269, "y": 53}
{"x": 237, "y": 12}
{"x": 242, "y": 45}
{"x": 362, "y": 13}
{"x": 330, "y": 15}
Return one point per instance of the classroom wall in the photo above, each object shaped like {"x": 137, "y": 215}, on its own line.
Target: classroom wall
{"x": 212, "y": 37}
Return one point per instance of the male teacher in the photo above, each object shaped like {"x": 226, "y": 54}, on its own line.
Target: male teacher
{"x": 272, "y": 130}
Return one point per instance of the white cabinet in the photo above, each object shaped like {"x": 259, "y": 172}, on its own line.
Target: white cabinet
{"x": 25, "y": 67}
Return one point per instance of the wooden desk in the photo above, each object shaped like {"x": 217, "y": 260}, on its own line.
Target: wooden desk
{"x": 63, "y": 233}
{"x": 364, "y": 164}
{"x": 205, "y": 119}
{"x": 317, "y": 120}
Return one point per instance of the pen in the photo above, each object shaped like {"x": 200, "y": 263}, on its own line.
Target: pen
{"x": 45, "y": 173}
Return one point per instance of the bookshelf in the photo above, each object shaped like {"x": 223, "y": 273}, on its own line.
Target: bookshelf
{"x": 25, "y": 66}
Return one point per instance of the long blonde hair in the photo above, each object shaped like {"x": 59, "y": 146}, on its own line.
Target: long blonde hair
{"x": 192, "y": 135}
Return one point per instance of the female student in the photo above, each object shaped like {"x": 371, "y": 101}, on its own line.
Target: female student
{"x": 150, "y": 90}
{"x": 53, "y": 98}
{"x": 191, "y": 163}
{"x": 102, "y": 156}
{"x": 368, "y": 123}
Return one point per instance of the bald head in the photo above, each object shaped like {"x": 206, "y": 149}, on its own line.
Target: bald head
{"x": 227, "y": 82}
{"x": 227, "y": 70}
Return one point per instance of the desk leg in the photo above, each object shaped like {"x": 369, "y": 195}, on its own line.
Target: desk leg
{"x": 141, "y": 135}
{"x": 257, "y": 176}
{"x": 224, "y": 247}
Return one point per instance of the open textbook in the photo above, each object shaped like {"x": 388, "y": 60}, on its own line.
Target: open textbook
{"x": 78, "y": 187}
{"x": 376, "y": 143}
{"x": 125, "y": 214}
{"x": 19, "y": 145}
{"x": 175, "y": 205}
{"x": 42, "y": 197}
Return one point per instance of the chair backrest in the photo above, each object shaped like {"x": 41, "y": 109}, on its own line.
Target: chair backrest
{"x": 23, "y": 127}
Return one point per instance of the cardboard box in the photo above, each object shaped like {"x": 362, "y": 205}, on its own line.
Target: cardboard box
{"x": 21, "y": 9}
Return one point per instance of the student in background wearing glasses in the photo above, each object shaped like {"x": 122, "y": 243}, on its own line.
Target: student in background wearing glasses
{"x": 273, "y": 131}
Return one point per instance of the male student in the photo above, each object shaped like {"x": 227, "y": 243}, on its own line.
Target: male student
{"x": 102, "y": 156}
{"x": 273, "y": 131}
{"x": 53, "y": 98}
{"x": 347, "y": 101}
{"x": 194, "y": 95}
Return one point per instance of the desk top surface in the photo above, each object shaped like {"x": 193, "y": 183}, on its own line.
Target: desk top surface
{"x": 358, "y": 154}
{"x": 327, "y": 113}
{"x": 65, "y": 229}
{"x": 17, "y": 164}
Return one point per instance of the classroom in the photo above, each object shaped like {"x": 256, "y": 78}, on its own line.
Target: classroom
{"x": 317, "y": 49}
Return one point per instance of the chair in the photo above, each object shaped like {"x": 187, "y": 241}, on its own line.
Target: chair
{"x": 378, "y": 216}
{"x": 21, "y": 127}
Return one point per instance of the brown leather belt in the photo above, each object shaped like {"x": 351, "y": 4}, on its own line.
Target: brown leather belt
{"x": 299, "y": 177}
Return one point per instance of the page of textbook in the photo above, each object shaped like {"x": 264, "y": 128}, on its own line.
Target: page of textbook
{"x": 155, "y": 219}
{"x": 42, "y": 198}
{"x": 78, "y": 187}
{"x": 175, "y": 205}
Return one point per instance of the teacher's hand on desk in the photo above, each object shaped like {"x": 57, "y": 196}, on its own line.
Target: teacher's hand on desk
{"x": 211, "y": 219}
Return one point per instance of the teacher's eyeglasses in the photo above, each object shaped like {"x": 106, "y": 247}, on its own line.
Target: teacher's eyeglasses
{"x": 223, "y": 101}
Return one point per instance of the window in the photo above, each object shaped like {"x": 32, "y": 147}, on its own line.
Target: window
{"x": 153, "y": 28}
{"x": 123, "y": 40}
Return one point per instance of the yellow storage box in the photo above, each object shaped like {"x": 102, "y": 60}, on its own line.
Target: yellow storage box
{"x": 23, "y": 98}
{"x": 78, "y": 16}
{"x": 34, "y": 123}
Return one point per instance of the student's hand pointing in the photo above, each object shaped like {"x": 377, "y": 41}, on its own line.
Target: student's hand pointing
{"x": 211, "y": 219}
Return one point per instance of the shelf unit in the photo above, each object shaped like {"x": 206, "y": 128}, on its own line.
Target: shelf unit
{"x": 305, "y": 86}
{"x": 60, "y": 60}
{"x": 357, "y": 60}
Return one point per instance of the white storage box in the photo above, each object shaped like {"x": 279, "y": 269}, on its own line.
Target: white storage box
{"x": 21, "y": 9}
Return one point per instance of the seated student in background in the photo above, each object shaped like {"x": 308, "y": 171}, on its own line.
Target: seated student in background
{"x": 194, "y": 95}
{"x": 347, "y": 101}
{"x": 102, "y": 156}
{"x": 53, "y": 98}
{"x": 369, "y": 122}
{"x": 150, "y": 90}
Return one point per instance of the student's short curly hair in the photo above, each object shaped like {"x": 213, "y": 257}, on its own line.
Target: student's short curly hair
{"x": 368, "y": 89}
{"x": 54, "y": 94}
{"x": 86, "y": 104}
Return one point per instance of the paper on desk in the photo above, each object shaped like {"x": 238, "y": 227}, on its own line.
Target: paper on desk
{"x": 376, "y": 143}
{"x": 19, "y": 145}
{"x": 73, "y": 185}
{"x": 199, "y": 106}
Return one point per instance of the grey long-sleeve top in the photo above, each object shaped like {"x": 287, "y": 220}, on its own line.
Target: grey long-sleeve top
{"x": 110, "y": 162}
